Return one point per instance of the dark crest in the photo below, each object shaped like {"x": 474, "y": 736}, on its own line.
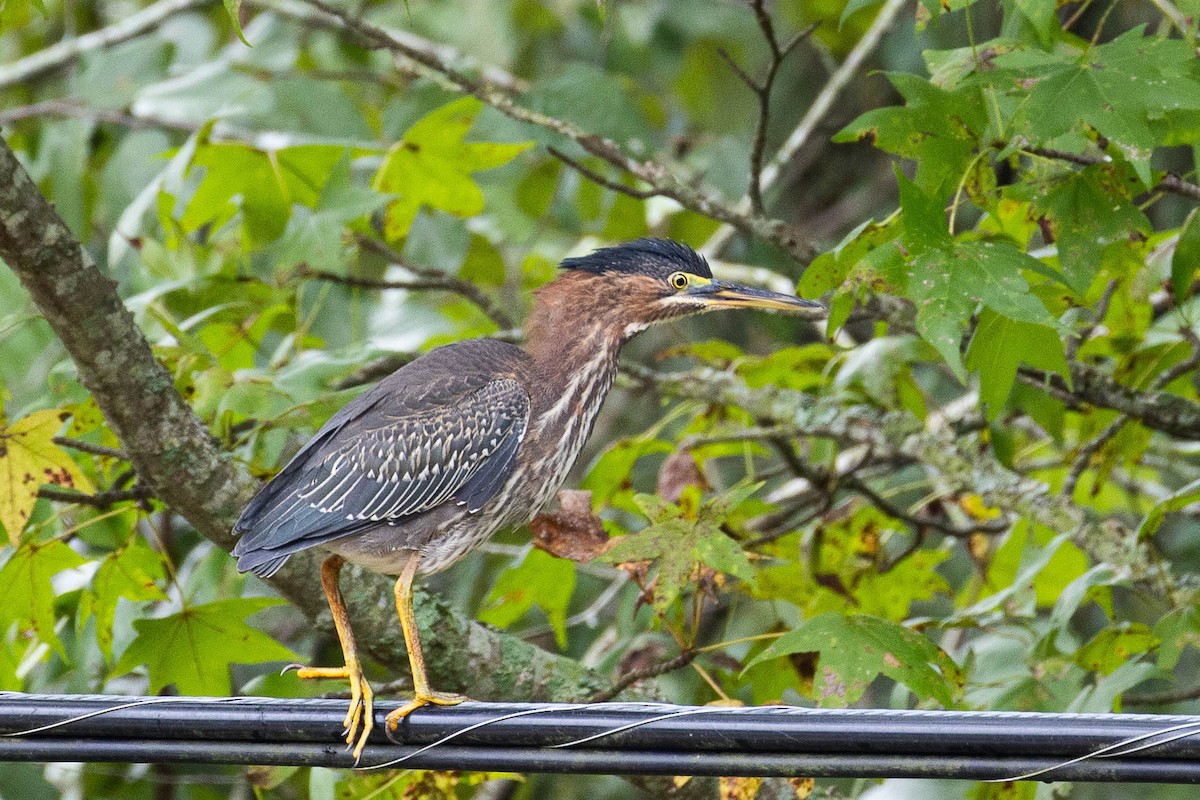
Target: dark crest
{"x": 655, "y": 257}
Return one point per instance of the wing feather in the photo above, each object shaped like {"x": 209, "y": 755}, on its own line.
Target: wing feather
{"x": 392, "y": 461}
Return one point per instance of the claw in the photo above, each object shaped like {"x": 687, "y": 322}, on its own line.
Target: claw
{"x": 356, "y": 728}
{"x": 392, "y": 722}
{"x": 291, "y": 667}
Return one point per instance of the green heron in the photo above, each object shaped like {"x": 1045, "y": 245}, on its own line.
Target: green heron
{"x": 470, "y": 438}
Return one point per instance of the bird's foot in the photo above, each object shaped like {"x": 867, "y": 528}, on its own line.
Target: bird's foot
{"x": 359, "y": 717}
{"x": 421, "y": 699}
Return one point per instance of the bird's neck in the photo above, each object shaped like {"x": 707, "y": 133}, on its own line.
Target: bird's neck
{"x": 572, "y": 345}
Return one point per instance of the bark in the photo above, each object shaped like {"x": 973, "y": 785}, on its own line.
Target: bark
{"x": 183, "y": 465}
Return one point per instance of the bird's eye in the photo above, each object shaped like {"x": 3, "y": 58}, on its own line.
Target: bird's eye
{"x": 679, "y": 280}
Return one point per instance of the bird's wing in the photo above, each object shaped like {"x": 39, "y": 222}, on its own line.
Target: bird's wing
{"x": 393, "y": 459}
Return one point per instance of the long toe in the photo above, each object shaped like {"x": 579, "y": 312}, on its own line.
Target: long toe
{"x": 360, "y": 717}
{"x": 422, "y": 699}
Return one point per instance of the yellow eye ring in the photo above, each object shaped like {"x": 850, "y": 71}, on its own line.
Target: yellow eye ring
{"x": 679, "y": 280}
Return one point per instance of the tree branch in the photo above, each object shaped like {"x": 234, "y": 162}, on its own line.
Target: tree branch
{"x": 68, "y": 50}
{"x": 1157, "y": 410}
{"x": 444, "y": 53}
{"x": 181, "y": 464}
{"x": 813, "y": 117}
{"x": 77, "y": 110}
{"x": 1089, "y": 450}
{"x": 597, "y": 178}
{"x": 957, "y": 470}
{"x": 99, "y": 500}
{"x": 428, "y": 279}
{"x": 667, "y": 184}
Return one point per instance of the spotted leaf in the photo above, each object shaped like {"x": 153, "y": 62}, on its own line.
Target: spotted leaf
{"x": 29, "y": 459}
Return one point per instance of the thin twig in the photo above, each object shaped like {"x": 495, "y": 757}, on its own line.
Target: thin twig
{"x": 447, "y": 282}
{"x": 653, "y": 671}
{"x": 1170, "y": 183}
{"x": 77, "y": 110}
{"x": 1161, "y": 698}
{"x": 994, "y": 526}
{"x": 698, "y": 199}
{"x": 67, "y": 51}
{"x": 596, "y": 177}
{"x": 813, "y": 117}
{"x": 1175, "y": 185}
{"x": 301, "y": 12}
{"x": 100, "y": 500}
{"x": 88, "y": 447}
{"x": 762, "y": 92}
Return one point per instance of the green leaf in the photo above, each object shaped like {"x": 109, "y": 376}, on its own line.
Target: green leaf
{"x": 924, "y": 218}
{"x": 193, "y": 648}
{"x": 678, "y": 544}
{"x": 1186, "y": 258}
{"x": 432, "y": 166}
{"x": 1117, "y": 88}
{"x": 853, "y": 650}
{"x": 1000, "y": 345}
{"x": 132, "y": 572}
{"x": 1176, "y": 631}
{"x": 28, "y": 593}
{"x": 1180, "y": 499}
{"x": 941, "y": 130}
{"x": 234, "y": 9}
{"x": 315, "y": 237}
{"x": 1113, "y": 647}
{"x": 1089, "y": 211}
{"x": 609, "y": 474}
{"x": 948, "y": 285}
{"x": 541, "y": 580}
{"x": 262, "y": 184}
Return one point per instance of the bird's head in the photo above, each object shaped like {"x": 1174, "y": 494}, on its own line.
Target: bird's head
{"x": 632, "y": 286}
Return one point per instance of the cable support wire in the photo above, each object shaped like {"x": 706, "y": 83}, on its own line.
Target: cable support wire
{"x": 609, "y": 738}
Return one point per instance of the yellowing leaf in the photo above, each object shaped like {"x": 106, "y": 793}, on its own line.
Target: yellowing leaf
{"x": 29, "y": 458}
{"x": 739, "y": 788}
{"x": 194, "y": 648}
{"x": 432, "y": 166}
{"x": 974, "y": 506}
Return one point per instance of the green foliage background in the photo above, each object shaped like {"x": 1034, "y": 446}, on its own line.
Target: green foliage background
{"x": 973, "y": 488}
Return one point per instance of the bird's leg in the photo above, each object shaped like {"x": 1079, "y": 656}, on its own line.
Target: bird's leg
{"x": 359, "y": 718}
{"x": 422, "y": 694}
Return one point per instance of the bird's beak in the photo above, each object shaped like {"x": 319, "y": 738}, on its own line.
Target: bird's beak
{"x": 732, "y": 295}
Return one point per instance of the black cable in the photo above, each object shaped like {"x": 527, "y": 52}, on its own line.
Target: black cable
{"x": 607, "y": 762}
{"x": 619, "y": 738}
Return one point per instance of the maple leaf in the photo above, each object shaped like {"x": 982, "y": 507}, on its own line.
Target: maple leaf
{"x": 432, "y": 166}
{"x": 194, "y": 647}
{"x": 679, "y": 542}
{"x": 131, "y": 572}
{"x": 28, "y": 594}
{"x": 29, "y": 459}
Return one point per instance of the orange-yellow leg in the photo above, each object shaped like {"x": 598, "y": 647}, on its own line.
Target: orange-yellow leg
{"x": 422, "y": 694}
{"x": 359, "y": 719}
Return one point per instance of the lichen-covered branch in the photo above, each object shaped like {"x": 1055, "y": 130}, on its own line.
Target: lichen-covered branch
{"x": 954, "y": 470}
{"x": 177, "y": 459}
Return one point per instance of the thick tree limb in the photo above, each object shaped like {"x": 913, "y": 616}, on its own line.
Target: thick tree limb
{"x": 180, "y": 462}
